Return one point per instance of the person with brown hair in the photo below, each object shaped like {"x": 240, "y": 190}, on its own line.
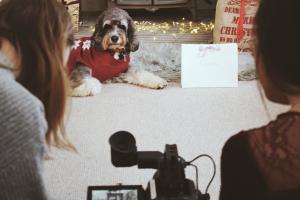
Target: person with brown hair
{"x": 264, "y": 163}
{"x": 35, "y": 40}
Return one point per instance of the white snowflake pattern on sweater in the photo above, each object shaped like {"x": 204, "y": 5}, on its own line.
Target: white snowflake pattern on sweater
{"x": 76, "y": 44}
{"x": 86, "y": 45}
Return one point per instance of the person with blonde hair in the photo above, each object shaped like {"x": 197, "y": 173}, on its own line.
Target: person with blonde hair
{"x": 35, "y": 40}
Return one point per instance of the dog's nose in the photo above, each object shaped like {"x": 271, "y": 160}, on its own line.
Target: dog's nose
{"x": 114, "y": 39}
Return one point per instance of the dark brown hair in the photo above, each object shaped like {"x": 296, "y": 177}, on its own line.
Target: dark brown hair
{"x": 278, "y": 43}
{"x": 39, "y": 31}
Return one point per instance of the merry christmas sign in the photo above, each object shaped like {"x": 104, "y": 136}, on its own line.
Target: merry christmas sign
{"x": 234, "y": 22}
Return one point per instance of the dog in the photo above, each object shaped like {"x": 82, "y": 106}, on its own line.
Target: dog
{"x": 106, "y": 55}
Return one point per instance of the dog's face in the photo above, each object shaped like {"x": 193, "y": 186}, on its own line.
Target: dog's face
{"x": 115, "y": 31}
{"x": 114, "y": 34}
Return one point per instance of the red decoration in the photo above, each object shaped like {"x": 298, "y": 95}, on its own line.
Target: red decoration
{"x": 240, "y": 28}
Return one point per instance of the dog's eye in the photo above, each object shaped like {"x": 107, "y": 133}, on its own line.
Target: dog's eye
{"x": 122, "y": 27}
{"x": 107, "y": 26}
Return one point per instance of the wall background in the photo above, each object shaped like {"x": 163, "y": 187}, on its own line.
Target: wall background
{"x": 93, "y": 5}
{"x": 100, "y": 5}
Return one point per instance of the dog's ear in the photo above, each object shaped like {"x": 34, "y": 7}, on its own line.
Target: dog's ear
{"x": 133, "y": 42}
{"x": 96, "y": 39}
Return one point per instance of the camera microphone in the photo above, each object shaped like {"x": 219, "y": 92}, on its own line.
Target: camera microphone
{"x": 124, "y": 152}
{"x": 123, "y": 149}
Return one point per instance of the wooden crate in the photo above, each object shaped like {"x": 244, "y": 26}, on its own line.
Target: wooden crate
{"x": 73, "y": 7}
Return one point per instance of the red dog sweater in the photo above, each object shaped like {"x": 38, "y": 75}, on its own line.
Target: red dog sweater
{"x": 104, "y": 66}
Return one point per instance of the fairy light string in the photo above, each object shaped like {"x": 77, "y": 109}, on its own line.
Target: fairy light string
{"x": 174, "y": 28}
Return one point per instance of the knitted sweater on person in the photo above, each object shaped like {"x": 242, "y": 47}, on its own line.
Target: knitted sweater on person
{"x": 22, "y": 140}
{"x": 103, "y": 65}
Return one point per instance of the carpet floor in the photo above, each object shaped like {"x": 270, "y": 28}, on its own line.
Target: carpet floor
{"x": 197, "y": 120}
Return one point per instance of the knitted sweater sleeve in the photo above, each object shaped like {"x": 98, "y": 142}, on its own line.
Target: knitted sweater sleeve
{"x": 22, "y": 142}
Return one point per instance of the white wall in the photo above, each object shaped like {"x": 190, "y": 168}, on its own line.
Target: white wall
{"x": 99, "y": 5}
{"x": 93, "y": 5}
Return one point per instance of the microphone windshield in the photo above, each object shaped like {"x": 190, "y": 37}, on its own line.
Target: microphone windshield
{"x": 123, "y": 149}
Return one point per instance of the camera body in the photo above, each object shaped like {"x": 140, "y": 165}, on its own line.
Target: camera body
{"x": 168, "y": 183}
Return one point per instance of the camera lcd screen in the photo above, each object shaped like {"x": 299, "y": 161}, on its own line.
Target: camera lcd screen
{"x": 114, "y": 192}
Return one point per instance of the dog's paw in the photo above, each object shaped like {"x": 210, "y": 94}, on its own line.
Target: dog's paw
{"x": 157, "y": 83}
{"x": 88, "y": 87}
{"x": 145, "y": 79}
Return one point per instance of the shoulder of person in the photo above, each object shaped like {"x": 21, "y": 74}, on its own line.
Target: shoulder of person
{"x": 17, "y": 102}
{"x": 236, "y": 142}
{"x": 22, "y": 121}
{"x": 244, "y": 140}
{"x": 241, "y": 141}
{"x": 246, "y": 135}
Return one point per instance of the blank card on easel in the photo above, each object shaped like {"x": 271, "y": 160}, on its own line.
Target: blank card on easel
{"x": 209, "y": 65}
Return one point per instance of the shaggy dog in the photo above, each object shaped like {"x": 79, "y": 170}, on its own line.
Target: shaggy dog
{"x": 106, "y": 55}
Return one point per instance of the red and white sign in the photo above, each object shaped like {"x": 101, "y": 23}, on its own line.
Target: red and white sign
{"x": 234, "y": 22}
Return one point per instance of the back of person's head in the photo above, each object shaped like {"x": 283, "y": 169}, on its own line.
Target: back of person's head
{"x": 278, "y": 45}
{"x": 40, "y": 31}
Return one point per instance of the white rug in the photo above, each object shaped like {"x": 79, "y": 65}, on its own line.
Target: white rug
{"x": 164, "y": 59}
{"x": 198, "y": 120}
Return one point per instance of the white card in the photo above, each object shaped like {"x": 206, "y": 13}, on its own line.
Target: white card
{"x": 209, "y": 65}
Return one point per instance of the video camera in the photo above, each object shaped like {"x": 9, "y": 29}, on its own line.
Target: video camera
{"x": 168, "y": 183}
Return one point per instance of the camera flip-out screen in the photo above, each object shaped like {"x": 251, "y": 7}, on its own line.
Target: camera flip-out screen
{"x": 120, "y": 192}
